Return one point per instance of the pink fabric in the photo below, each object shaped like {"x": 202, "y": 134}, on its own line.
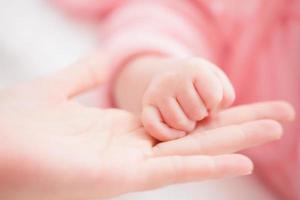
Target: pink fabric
{"x": 257, "y": 42}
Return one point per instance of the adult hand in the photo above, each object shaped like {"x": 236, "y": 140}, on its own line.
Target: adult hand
{"x": 51, "y": 147}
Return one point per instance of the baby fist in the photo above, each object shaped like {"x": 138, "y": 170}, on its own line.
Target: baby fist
{"x": 186, "y": 92}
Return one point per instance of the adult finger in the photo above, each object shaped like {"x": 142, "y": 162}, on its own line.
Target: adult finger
{"x": 275, "y": 110}
{"x": 224, "y": 140}
{"x": 83, "y": 75}
{"x": 178, "y": 169}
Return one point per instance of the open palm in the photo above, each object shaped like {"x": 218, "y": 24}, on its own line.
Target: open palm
{"x": 56, "y": 148}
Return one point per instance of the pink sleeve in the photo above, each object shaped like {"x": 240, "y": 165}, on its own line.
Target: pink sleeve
{"x": 134, "y": 27}
{"x": 161, "y": 27}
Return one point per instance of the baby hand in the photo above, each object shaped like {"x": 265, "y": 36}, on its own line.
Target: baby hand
{"x": 187, "y": 92}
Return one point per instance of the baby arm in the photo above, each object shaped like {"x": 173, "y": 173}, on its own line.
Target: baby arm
{"x": 172, "y": 94}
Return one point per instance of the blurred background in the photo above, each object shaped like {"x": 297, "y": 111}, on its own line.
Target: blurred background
{"x": 36, "y": 39}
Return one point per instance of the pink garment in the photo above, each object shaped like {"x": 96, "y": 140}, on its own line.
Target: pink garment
{"x": 257, "y": 42}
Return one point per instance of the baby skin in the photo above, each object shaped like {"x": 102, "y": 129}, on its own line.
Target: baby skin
{"x": 172, "y": 94}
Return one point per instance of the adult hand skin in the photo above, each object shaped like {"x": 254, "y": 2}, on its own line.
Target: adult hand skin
{"x": 52, "y": 147}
